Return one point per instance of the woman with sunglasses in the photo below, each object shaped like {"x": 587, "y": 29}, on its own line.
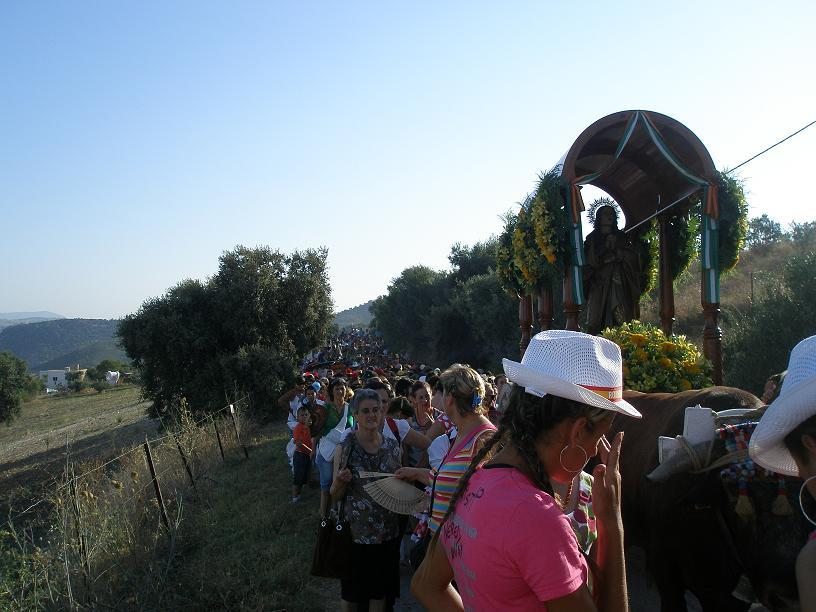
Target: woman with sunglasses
{"x": 374, "y": 530}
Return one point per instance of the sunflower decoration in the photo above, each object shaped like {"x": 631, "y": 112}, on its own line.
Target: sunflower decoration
{"x": 509, "y": 274}
{"x": 540, "y": 239}
{"x": 525, "y": 251}
{"x": 653, "y": 362}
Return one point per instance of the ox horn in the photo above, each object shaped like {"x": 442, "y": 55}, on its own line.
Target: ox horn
{"x": 685, "y": 459}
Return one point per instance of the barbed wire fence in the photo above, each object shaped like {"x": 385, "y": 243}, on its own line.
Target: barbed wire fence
{"x": 86, "y": 512}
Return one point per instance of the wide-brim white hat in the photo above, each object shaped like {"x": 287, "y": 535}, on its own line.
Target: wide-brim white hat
{"x": 795, "y": 404}
{"x": 572, "y": 365}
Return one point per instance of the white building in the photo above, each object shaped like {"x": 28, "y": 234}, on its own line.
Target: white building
{"x": 54, "y": 379}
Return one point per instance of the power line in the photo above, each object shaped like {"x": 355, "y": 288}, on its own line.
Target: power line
{"x": 693, "y": 191}
{"x": 769, "y": 148}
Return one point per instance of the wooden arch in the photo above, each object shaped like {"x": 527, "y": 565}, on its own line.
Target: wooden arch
{"x": 645, "y": 161}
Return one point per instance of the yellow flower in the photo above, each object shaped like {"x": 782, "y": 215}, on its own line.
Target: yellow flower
{"x": 116, "y": 484}
{"x": 668, "y": 347}
{"x": 638, "y": 339}
{"x": 665, "y": 362}
{"x": 685, "y": 384}
{"x": 641, "y": 355}
{"x": 691, "y": 368}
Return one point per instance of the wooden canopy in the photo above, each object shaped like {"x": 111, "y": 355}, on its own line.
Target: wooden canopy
{"x": 645, "y": 161}
{"x": 641, "y": 175}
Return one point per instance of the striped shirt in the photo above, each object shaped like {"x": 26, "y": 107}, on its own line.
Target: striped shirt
{"x": 451, "y": 470}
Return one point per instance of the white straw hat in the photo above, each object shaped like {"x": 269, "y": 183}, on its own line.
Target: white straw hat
{"x": 794, "y": 405}
{"x": 575, "y": 366}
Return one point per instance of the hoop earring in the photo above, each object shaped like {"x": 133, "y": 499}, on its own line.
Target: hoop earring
{"x": 564, "y": 467}
{"x": 801, "y": 503}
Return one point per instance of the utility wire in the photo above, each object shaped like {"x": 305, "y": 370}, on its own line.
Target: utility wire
{"x": 680, "y": 199}
{"x": 769, "y": 148}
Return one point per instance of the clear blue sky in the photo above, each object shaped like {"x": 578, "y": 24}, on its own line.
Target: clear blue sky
{"x": 140, "y": 140}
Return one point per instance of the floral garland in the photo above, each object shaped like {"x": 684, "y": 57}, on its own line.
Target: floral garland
{"x": 654, "y": 363}
{"x": 509, "y": 275}
{"x": 733, "y": 222}
{"x": 540, "y": 239}
{"x": 682, "y": 232}
{"x": 645, "y": 241}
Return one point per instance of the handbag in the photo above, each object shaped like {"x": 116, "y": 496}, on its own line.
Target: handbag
{"x": 332, "y": 551}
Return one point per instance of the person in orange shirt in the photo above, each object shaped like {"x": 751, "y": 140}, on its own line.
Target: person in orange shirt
{"x": 302, "y": 459}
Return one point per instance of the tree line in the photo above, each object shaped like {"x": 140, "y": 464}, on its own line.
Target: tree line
{"x": 240, "y": 333}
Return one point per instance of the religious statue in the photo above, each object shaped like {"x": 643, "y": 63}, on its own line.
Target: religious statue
{"x": 611, "y": 274}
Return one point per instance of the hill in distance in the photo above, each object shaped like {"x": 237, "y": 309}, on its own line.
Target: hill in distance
{"x": 40, "y": 314}
{"x": 7, "y": 319}
{"x": 359, "y": 316}
{"x": 63, "y": 342}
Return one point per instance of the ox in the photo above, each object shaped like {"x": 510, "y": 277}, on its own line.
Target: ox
{"x": 687, "y": 525}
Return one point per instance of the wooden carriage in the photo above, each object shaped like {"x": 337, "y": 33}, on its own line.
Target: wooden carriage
{"x": 648, "y": 162}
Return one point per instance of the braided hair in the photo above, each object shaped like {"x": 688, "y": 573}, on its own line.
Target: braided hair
{"x": 525, "y": 421}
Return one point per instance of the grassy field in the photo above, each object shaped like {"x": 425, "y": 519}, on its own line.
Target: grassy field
{"x": 94, "y": 425}
{"x": 235, "y": 543}
{"x": 45, "y": 421}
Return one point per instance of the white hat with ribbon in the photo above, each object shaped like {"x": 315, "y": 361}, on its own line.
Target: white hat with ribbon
{"x": 572, "y": 365}
{"x": 795, "y": 404}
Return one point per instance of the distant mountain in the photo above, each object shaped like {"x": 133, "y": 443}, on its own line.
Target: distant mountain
{"x": 62, "y": 342}
{"x": 359, "y": 316}
{"x": 7, "y": 319}
{"x": 86, "y": 356}
{"x": 40, "y": 314}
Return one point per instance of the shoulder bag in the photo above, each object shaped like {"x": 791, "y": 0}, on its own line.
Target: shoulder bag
{"x": 332, "y": 551}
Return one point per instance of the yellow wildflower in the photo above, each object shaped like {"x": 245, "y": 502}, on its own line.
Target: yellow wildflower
{"x": 685, "y": 384}
{"x": 668, "y": 347}
{"x": 691, "y": 368}
{"x": 665, "y": 362}
{"x": 637, "y": 339}
{"x": 641, "y": 355}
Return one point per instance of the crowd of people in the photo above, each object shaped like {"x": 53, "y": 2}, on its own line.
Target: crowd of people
{"x": 484, "y": 445}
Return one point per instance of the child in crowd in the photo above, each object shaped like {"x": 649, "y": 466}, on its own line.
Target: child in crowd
{"x": 302, "y": 459}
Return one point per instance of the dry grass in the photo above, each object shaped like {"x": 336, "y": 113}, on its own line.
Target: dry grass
{"x": 45, "y": 422}
{"x": 234, "y": 542}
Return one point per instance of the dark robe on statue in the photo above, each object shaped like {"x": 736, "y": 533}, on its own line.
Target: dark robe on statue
{"x": 612, "y": 278}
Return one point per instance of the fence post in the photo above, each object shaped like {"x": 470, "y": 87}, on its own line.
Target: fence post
{"x": 218, "y": 436}
{"x": 237, "y": 435}
{"x": 159, "y": 497}
{"x": 81, "y": 541}
{"x": 184, "y": 461}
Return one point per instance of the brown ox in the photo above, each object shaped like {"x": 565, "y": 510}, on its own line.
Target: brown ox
{"x": 687, "y": 525}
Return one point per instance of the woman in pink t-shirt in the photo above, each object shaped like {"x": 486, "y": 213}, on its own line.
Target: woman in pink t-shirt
{"x": 505, "y": 539}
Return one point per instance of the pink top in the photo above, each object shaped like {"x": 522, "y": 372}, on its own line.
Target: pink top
{"x": 511, "y": 564}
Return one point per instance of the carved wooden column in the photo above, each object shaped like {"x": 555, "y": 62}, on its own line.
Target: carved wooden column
{"x": 571, "y": 309}
{"x": 525, "y": 321}
{"x": 666, "y": 288}
{"x": 712, "y": 340}
{"x": 545, "y": 309}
